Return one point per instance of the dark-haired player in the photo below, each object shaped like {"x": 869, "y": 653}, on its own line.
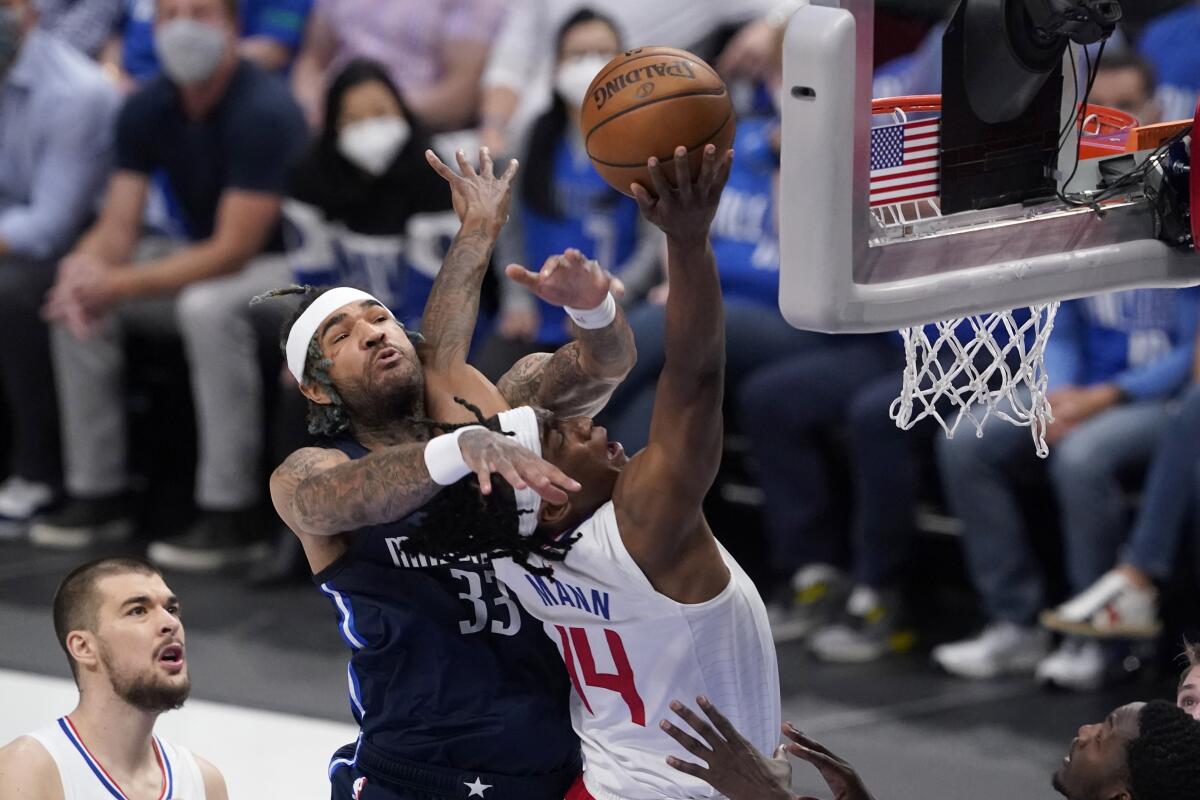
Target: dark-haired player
{"x": 1141, "y": 751}
{"x": 456, "y": 690}
{"x": 119, "y": 625}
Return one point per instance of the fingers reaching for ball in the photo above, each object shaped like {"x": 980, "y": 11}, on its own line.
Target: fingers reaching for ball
{"x": 685, "y": 207}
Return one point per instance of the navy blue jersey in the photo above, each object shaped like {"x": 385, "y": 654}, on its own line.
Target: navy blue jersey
{"x": 446, "y": 669}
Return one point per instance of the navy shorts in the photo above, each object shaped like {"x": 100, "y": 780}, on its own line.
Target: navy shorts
{"x": 363, "y": 773}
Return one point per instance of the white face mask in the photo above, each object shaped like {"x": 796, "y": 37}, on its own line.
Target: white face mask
{"x": 189, "y": 51}
{"x": 372, "y": 144}
{"x": 575, "y": 76}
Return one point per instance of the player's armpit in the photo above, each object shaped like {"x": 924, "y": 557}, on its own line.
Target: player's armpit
{"x": 443, "y": 385}
{"x": 27, "y": 772}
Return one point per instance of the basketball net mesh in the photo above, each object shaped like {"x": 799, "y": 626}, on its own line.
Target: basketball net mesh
{"x": 994, "y": 367}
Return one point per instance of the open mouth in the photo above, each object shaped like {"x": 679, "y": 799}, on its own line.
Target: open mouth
{"x": 171, "y": 657}
{"x": 387, "y": 356}
{"x": 615, "y": 451}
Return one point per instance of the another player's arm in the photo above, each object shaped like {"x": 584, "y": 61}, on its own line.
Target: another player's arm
{"x": 28, "y": 772}
{"x": 578, "y": 379}
{"x": 659, "y": 494}
{"x": 323, "y": 492}
{"x": 214, "y": 782}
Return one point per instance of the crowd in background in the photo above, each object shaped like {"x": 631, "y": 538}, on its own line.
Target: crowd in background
{"x": 164, "y": 161}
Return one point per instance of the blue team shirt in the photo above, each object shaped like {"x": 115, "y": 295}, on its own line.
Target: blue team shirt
{"x": 744, "y": 237}
{"x": 596, "y": 219}
{"x": 446, "y": 668}
{"x": 1141, "y": 340}
{"x": 1171, "y": 43}
{"x": 281, "y": 20}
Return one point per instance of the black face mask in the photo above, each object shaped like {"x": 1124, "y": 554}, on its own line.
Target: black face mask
{"x": 10, "y": 39}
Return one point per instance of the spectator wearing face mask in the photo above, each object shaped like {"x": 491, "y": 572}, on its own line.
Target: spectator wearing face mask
{"x": 224, "y": 132}
{"x": 364, "y": 208}
{"x": 56, "y": 115}
{"x": 563, "y": 203}
{"x": 270, "y": 32}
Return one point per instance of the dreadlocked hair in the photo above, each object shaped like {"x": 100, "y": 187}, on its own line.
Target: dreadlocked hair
{"x": 1164, "y": 759}
{"x": 323, "y": 420}
{"x": 461, "y": 521}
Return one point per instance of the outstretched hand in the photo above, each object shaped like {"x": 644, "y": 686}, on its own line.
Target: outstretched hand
{"x": 487, "y": 453}
{"x": 570, "y": 280}
{"x": 477, "y": 194}
{"x": 838, "y": 775}
{"x": 735, "y": 768}
{"x": 685, "y": 211}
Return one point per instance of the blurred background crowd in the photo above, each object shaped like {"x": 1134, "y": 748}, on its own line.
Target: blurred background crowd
{"x": 163, "y": 162}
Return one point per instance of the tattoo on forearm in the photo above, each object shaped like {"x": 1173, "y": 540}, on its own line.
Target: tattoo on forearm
{"x": 453, "y": 304}
{"x": 379, "y": 488}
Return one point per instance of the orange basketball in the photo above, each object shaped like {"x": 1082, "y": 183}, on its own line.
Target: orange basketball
{"x": 647, "y": 102}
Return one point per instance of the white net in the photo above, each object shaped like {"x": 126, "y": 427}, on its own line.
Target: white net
{"x": 988, "y": 365}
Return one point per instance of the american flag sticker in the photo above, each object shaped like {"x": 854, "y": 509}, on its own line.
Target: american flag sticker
{"x": 904, "y": 162}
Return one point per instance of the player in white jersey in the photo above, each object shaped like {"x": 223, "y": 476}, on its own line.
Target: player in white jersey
{"x": 647, "y": 606}
{"x": 119, "y": 625}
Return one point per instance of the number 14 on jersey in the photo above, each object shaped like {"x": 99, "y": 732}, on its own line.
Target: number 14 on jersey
{"x": 576, "y": 647}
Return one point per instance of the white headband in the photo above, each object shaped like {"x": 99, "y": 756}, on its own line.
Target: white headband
{"x": 523, "y": 424}
{"x": 303, "y": 330}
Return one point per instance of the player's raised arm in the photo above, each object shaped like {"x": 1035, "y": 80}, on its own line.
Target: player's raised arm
{"x": 481, "y": 200}
{"x": 578, "y": 378}
{"x": 658, "y": 497}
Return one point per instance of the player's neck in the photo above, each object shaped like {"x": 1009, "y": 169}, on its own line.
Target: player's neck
{"x": 373, "y": 434}
{"x": 116, "y": 733}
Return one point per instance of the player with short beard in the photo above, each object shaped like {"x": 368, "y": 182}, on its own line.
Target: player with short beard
{"x": 119, "y": 624}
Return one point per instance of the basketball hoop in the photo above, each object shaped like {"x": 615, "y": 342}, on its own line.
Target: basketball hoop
{"x": 986, "y": 365}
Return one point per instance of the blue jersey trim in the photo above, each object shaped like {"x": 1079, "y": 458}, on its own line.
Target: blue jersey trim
{"x": 87, "y": 759}
{"x": 162, "y": 751}
{"x": 346, "y": 626}
{"x": 338, "y": 763}
{"x": 355, "y": 693}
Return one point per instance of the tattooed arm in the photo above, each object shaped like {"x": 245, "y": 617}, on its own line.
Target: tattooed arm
{"x": 578, "y": 379}
{"x": 481, "y": 201}
{"x": 322, "y": 492}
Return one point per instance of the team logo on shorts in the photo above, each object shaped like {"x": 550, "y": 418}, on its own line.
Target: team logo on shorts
{"x": 358, "y": 786}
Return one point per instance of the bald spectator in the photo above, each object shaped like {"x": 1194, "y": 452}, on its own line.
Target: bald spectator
{"x": 434, "y": 51}
{"x": 56, "y": 118}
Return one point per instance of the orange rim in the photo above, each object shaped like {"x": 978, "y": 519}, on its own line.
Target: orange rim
{"x": 1106, "y": 132}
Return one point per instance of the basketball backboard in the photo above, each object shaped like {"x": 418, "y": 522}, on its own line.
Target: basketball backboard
{"x": 845, "y": 269}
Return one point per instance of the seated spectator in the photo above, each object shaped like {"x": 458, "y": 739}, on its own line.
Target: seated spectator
{"x": 270, "y": 30}
{"x": 83, "y": 24}
{"x": 563, "y": 203}
{"x": 364, "y": 208}
{"x": 1169, "y": 45}
{"x": 434, "y": 52}
{"x": 56, "y": 119}
{"x": 1124, "y": 601}
{"x": 224, "y": 131}
{"x": 521, "y": 66}
{"x": 1114, "y": 362}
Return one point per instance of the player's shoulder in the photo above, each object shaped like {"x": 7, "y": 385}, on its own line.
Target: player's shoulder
{"x": 214, "y": 781}
{"x": 27, "y": 770}
{"x": 308, "y": 461}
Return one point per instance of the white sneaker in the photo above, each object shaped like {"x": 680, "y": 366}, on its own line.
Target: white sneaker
{"x": 1002, "y": 649}
{"x": 1110, "y": 607}
{"x": 20, "y": 500}
{"x": 1077, "y": 665}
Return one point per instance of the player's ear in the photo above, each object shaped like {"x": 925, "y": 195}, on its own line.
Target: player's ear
{"x": 553, "y": 515}
{"x": 81, "y": 645}
{"x": 316, "y": 392}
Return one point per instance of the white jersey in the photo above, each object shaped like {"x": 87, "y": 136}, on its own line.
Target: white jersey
{"x": 630, "y": 651}
{"x": 84, "y": 778}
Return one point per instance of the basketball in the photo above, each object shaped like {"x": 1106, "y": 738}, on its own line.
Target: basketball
{"x": 647, "y": 102}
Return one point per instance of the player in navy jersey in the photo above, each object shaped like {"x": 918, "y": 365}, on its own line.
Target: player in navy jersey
{"x": 457, "y": 693}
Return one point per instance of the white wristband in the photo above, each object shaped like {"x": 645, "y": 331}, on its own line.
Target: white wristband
{"x": 444, "y": 459}
{"x": 594, "y": 318}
